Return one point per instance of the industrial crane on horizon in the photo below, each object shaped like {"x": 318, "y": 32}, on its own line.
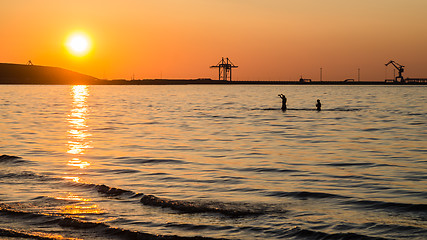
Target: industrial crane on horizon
{"x": 399, "y": 69}
{"x": 225, "y": 66}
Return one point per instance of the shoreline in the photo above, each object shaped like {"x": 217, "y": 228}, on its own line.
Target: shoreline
{"x": 204, "y": 82}
{"x": 43, "y": 75}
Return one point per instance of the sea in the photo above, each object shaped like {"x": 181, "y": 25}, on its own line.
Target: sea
{"x": 213, "y": 162}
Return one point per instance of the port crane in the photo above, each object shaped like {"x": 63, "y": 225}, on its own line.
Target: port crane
{"x": 399, "y": 69}
{"x": 225, "y": 66}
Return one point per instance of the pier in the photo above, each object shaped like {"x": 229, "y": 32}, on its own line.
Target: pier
{"x": 416, "y": 80}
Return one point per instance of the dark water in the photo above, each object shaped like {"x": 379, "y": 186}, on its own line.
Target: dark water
{"x": 199, "y": 162}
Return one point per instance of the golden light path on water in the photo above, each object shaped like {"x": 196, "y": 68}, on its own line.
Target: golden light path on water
{"x": 77, "y": 144}
{"x": 78, "y": 133}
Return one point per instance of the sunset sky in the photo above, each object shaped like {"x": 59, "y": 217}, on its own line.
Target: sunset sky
{"x": 267, "y": 39}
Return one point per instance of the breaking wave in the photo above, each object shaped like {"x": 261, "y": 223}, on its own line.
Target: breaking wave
{"x": 7, "y": 159}
{"x": 199, "y": 207}
{"x": 10, "y": 233}
{"x": 100, "y": 229}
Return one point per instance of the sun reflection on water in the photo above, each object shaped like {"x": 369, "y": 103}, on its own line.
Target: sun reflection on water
{"x": 74, "y": 179}
{"x": 78, "y": 133}
{"x": 77, "y": 209}
{"x": 78, "y": 142}
{"x": 73, "y": 197}
{"x": 82, "y": 206}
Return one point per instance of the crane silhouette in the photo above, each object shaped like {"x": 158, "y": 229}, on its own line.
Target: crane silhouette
{"x": 225, "y": 66}
{"x": 399, "y": 69}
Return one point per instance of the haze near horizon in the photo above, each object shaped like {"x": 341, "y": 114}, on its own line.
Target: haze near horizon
{"x": 268, "y": 40}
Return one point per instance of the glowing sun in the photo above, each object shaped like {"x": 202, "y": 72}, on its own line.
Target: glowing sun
{"x": 78, "y": 44}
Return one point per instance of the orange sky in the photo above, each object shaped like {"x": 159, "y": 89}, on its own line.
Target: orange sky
{"x": 268, "y": 39}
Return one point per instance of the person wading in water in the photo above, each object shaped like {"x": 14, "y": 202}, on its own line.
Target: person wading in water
{"x": 318, "y": 105}
{"x": 283, "y": 97}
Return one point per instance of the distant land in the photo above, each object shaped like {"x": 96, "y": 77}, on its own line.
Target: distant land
{"x": 33, "y": 74}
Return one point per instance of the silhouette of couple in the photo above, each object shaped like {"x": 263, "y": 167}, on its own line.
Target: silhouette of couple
{"x": 283, "y": 97}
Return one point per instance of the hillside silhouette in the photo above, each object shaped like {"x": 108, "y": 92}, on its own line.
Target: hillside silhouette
{"x": 33, "y": 74}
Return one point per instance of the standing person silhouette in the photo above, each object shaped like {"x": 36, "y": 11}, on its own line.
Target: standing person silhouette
{"x": 318, "y": 105}
{"x": 283, "y": 97}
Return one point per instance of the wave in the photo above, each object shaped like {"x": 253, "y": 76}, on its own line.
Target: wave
{"x": 191, "y": 207}
{"x": 8, "y": 210}
{"x": 399, "y": 207}
{"x": 98, "y": 228}
{"x": 227, "y": 209}
{"x": 310, "y": 234}
{"x": 101, "y": 230}
{"x": 107, "y": 190}
{"x": 28, "y": 175}
{"x": 101, "y": 188}
{"x": 10, "y": 233}
{"x": 306, "y": 195}
{"x": 264, "y": 169}
{"x": 151, "y": 161}
{"x": 345, "y": 164}
{"x": 54, "y": 200}
{"x": 243, "y": 209}
{"x": 199, "y": 207}
{"x": 8, "y": 159}
{"x": 346, "y": 200}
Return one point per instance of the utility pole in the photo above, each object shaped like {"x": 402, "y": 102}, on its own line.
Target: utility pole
{"x": 358, "y": 74}
{"x": 321, "y": 74}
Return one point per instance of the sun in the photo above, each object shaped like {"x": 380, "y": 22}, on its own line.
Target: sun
{"x": 78, "y": 44}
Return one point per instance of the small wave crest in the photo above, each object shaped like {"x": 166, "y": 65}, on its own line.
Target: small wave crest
{"x": 107, "y": 190}
{"x": 306, "y": 195}
{"x": 399, "y": 207}
{"x": 228, "y": 209}
{"x": 99, "y": 229}
{"x": 101, "y": 188}
{"x": 8, "y": 159}
{"x": 150, "y": 161}
{"x": 265, "y": 169}
{"x": 119, "y": 232}
{"x": 27, "y": 175}
{"x": 300, "y": 233}
{"x": 8, "y": 210}
{"x": 352, "y": 164}
{"x": 231, "y": 210}
{"x": 10, "y": 233}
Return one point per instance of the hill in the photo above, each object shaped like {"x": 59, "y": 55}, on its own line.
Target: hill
{"x": 32, "y": 74}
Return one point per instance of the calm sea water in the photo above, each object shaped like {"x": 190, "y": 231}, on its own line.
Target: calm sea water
{"x": 214, "y": 161}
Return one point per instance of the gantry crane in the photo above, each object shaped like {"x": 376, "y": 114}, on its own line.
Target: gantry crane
{"x": 225, "y": 66}
{"x": 399, "y": 68}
